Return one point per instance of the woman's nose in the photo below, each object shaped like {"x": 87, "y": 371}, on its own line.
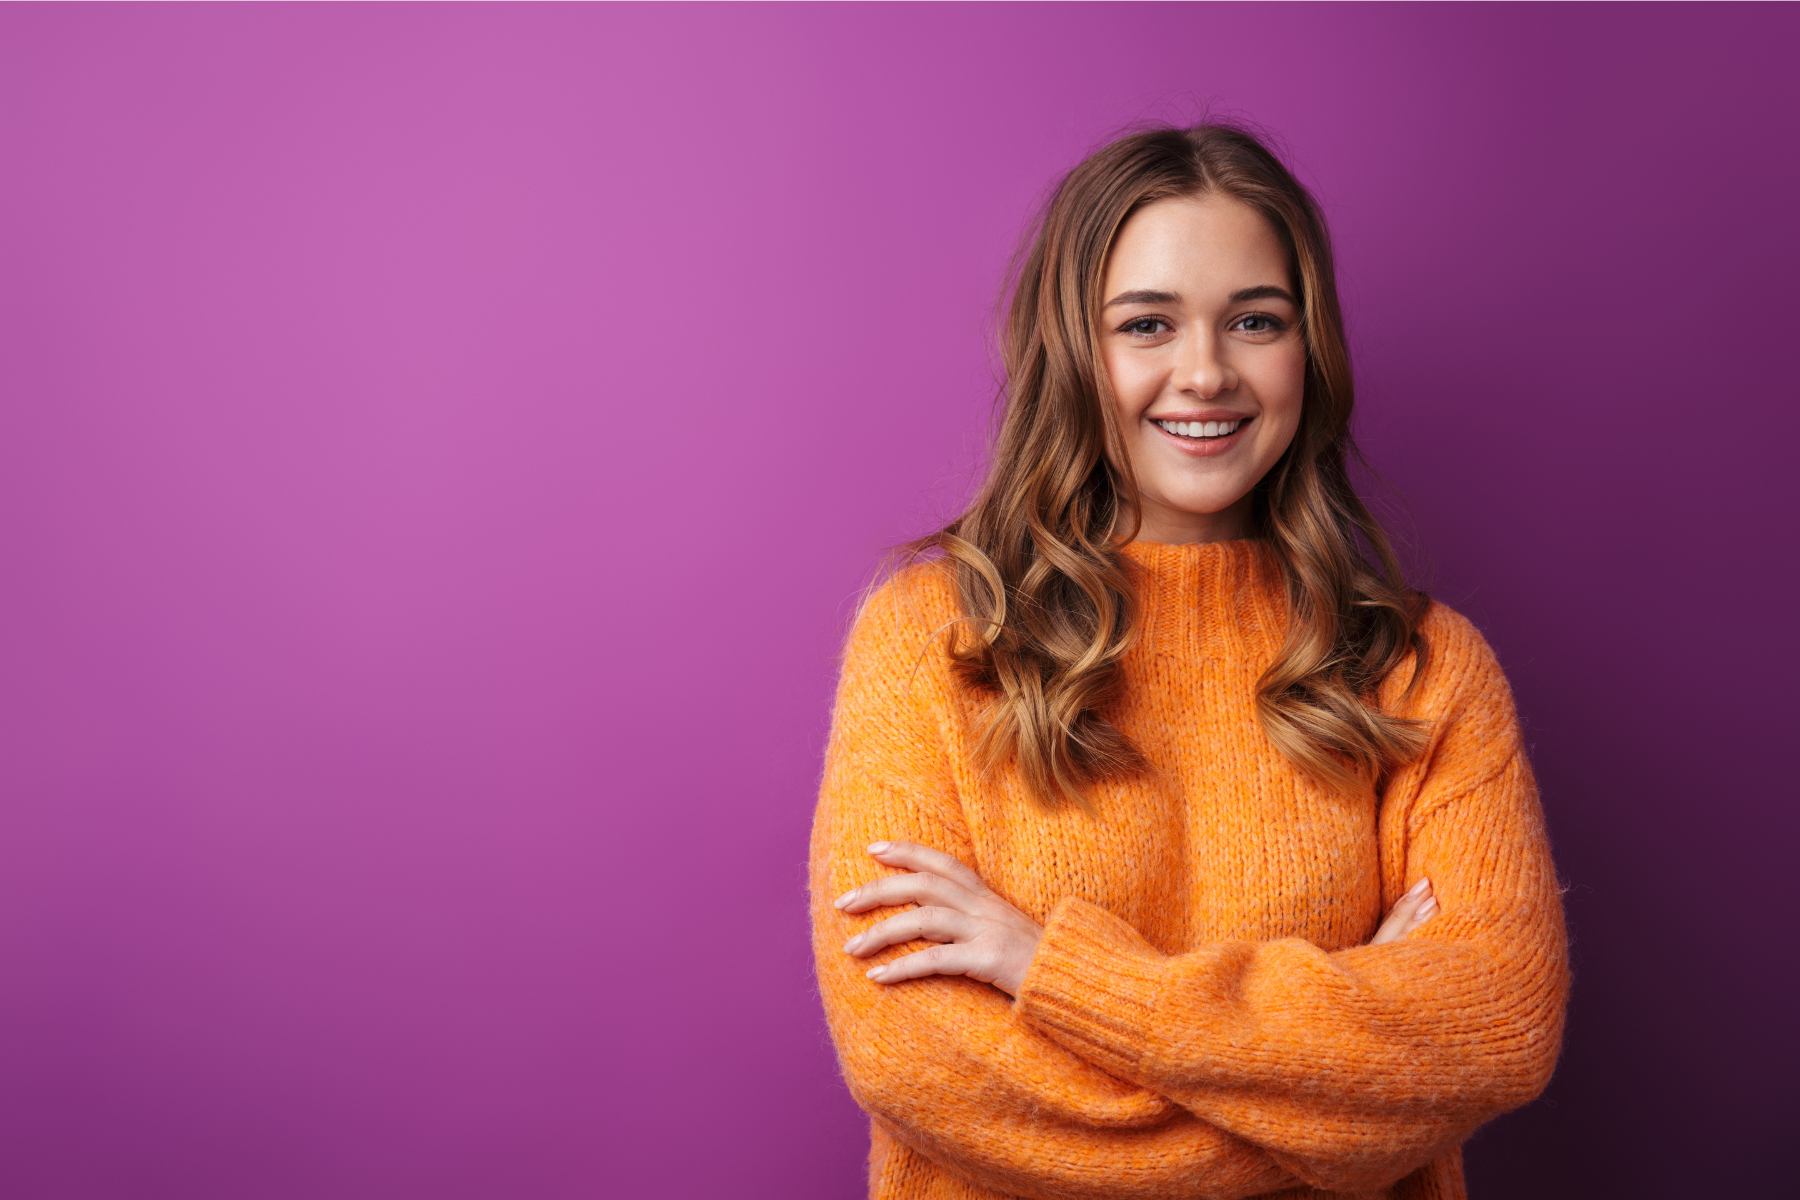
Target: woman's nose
{"x": 1200, "y": 371}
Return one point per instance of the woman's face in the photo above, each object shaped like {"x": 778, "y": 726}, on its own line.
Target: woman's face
{"x": 1200, "y": 335}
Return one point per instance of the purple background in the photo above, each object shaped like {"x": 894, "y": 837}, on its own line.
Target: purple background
{"x": 440, "y": 447}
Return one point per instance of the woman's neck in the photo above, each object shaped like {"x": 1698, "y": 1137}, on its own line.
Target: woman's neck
{"x": 1161, "y": 523}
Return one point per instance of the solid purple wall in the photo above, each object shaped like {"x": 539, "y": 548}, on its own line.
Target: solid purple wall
{"x": 440, "y": 446}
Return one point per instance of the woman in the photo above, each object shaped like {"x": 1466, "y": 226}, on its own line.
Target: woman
{"x": 1125, "y": 773}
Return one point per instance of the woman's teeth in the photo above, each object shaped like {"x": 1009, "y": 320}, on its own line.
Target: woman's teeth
{"x": 1202, "y": 429}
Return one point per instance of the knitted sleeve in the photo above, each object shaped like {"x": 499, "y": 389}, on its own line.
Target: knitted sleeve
{"x": 946, "y": 1065}
{"x": 1354, "y": 1067}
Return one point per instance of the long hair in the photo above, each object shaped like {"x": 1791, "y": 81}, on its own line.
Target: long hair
{"x": 1047, "y": 604}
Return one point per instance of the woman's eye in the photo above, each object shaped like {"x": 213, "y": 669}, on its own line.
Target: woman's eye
{"x": 1146, "y": 326}
{"x": 1258, "y": 323}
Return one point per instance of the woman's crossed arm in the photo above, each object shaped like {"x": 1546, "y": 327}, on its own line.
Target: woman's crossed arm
{"x": 982, "y": 936}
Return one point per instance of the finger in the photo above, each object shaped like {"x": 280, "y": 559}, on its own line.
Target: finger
{"x": 915, "y": 857}
{"x": 919, "y": 887}
{"x": 938, "y": 960}
{"x": 1424, "y": 910}
{"x": 1394, "y": 925}
{"x": 1400, "y": 919}
{"x": 931, "y": 924}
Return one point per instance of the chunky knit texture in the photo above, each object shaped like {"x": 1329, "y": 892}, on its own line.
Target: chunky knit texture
{"x": 1202, "y": 1018}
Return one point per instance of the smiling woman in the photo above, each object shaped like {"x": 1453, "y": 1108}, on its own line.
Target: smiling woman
{"x": 1207, "y": 371}
{"x": 1128, "y": 766}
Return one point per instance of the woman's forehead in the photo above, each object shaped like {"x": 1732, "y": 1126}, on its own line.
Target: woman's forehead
{"x": 1187, "y": 244}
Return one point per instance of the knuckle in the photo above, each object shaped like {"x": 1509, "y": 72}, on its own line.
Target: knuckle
{"x": 933, "y": 923}
{"x": 886, "y": 891}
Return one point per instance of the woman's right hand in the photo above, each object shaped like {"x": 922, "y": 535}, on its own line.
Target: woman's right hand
{"x": 1409, "y": 912}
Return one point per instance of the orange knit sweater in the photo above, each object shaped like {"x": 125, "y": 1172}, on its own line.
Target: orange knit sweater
{"x": 1202, "y": 1018}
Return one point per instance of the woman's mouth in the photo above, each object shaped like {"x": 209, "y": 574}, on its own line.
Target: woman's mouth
{"x": 1202, "y": 431}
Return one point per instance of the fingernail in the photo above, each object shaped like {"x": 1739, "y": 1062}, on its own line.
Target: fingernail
{"x": 1419, "y": 888}
{"x": 876, "y": 973}
{"x": 878, "y": 848}
{"x": 1427, "y": 908}
{"x": 850, "y": 946}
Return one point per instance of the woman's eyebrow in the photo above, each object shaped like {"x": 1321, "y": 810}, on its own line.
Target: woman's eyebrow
{"x": 1265, "y": 292}
{"x": 1143, "y": 297}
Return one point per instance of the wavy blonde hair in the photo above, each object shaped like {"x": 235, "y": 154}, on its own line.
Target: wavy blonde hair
{"x": 1047, "y": 603}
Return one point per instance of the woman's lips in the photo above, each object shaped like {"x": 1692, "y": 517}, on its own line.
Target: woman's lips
{"x": 1202, "y": 447}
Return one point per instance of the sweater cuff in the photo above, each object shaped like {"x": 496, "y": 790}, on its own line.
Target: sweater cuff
{"x": 1092, "y": 987}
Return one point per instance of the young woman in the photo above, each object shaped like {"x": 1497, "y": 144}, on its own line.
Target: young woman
{"x": 1126, "y": 771}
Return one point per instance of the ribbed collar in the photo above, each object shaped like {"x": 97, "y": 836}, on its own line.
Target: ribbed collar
{"x": 1217, "y": 599}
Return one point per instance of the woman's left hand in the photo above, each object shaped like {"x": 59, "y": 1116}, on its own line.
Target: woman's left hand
{"x": 984, "y": 937}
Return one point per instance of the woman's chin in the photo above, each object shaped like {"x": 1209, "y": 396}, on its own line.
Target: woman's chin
{"x": 1197, "y": 505}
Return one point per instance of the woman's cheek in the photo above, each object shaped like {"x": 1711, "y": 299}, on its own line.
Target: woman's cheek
{"x": 1285, "y": 394}
{"x": 1127, "y": 389}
